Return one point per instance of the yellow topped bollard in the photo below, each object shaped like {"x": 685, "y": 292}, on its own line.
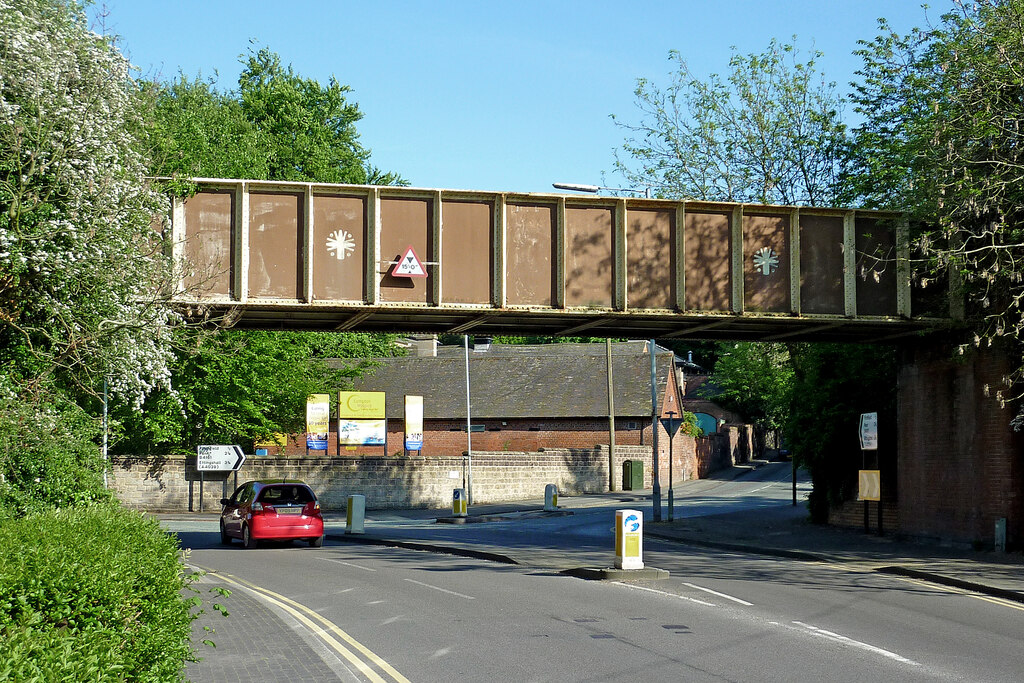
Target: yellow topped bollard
{"x": 550, "y": 498}
{"x": 459, "y": 503}
{"x": 629, "y": 539}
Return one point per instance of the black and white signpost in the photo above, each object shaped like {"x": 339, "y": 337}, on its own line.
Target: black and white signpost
{"x": 218, "y": 459}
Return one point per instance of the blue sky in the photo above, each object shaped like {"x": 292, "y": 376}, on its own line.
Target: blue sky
{"x": 487, "y": 95}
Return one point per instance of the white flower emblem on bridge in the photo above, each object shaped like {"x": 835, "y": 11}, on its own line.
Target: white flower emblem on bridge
{"x": 766, "y": 259}
{"x": 340, "y": 243}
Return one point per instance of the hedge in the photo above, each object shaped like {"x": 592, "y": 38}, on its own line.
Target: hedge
{"x": 92, "y": 593}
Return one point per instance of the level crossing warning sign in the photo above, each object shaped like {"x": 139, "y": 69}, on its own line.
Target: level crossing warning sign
{"x": 409, "y": 265}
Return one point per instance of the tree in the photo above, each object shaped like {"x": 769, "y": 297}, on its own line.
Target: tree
{"x": 770, "y": 133}
{"x": 943, "y": 139}
{"x": 832, "y": 385}
{"x": 754, "y": 379}
{"x": 236, "y": 385}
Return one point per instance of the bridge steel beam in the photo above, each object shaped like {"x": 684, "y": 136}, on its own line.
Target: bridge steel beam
{"x": 283, "y": 255}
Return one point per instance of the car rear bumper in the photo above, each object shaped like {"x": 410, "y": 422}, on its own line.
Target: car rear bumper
{"x": 265, "y": 527}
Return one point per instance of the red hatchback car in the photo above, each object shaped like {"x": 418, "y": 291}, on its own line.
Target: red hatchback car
{"x": 272, "y": 510}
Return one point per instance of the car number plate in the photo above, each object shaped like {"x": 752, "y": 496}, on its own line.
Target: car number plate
{"x": 289, "y": 511}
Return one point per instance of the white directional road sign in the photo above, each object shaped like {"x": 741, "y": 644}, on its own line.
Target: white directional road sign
{"x": 869, "y": 431}
{"x": 219, "y": 458}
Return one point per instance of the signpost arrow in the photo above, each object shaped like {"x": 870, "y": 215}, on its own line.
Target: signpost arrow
{"x": 219, "y": 458}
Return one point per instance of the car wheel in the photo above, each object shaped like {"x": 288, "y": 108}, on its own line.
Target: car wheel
{"x": 247, "y": 540}
{"x": 316, "y": 542}
{"x": 224, "y": 538}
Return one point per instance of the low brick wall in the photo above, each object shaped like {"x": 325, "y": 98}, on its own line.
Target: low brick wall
{"x": 172, "y": 484}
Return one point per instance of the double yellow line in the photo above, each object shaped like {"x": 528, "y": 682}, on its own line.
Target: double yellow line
{"x": 328, "y": 632}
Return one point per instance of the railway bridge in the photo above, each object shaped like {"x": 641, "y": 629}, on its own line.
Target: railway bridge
{"x": 279, "y": 255}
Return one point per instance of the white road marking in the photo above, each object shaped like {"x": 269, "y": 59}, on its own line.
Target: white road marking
{"x": 349, "y": 564}
{"x": 443, "y": 590}
{"x": 670, "y": 595}
{"x": 830, "y": 635}
{"x": 721, "y": 595}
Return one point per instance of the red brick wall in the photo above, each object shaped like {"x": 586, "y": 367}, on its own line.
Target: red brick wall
{"x": 960, "y": 463}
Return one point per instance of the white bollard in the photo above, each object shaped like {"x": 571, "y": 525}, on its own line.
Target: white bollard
{"x": 550, "y": 498}
{"x": 355, "y": 514}
{"x": 629, "y": 539}
{"x": 459, "y": 503}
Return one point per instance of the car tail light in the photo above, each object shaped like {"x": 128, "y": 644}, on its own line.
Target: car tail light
{"x": 311, "y": 508}
{"x": 257, "y": 507}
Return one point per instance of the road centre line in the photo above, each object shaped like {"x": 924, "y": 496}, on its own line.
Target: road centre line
{"x": 721, "y": 595}
{"x": 666, "y": 594}
{"x": 349, "y": 564}
{"x": 443, "y": 590}
{"x": 836, "y": 637}
{"x": 306, "y": 617}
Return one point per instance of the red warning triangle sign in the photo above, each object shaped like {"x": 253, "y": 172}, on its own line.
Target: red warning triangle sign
{"x": 409, "y": 265}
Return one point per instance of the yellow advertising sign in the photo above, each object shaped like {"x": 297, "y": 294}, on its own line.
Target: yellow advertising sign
{"x": 361, "y": 405}
{"x": 870, "y": 485}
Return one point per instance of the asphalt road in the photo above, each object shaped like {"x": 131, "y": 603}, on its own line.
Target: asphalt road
{"x": 377, "y": 613}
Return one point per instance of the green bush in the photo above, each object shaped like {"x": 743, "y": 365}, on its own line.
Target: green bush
{"x": 92, "y": 593}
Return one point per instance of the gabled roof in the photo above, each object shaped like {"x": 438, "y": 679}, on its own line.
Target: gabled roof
{"x": 523, "y": 381}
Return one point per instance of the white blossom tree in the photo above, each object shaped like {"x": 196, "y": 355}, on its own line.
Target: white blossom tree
{"x": 82, "y": 265}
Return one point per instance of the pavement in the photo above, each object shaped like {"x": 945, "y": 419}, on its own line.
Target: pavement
{"x": 775, "y": 530}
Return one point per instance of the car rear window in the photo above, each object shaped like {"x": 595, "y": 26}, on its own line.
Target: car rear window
{"x": 285, "y": 494}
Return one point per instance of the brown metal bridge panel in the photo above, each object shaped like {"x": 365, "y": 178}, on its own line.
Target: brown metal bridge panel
{"x": 589, "y": 261}
{"x": 467, "y": 249}
{"x": 339, "y": 247}
{"x": 766, "y": 270}
{"x": 275, "y": 227}
{"x": 651, "y": 258}
{"x": 405, "y": 223}
{"x": 821, "y": 265}
{"x": 207, "y": 247}
{"x": 876, "y": 266}
{"x": 707, "y": 241}
{"x": 529, "y": 254}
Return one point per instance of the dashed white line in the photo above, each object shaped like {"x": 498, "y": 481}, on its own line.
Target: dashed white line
{"x": 349, "y": 564}
{"x": 721, "y": 595}
{"x": 830, "y": 635}
{"x": 443, "y": 590}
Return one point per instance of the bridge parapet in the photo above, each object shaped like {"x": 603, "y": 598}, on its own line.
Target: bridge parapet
{"x": 320, "y": 256}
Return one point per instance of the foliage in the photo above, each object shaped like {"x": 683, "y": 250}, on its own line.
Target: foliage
{"x": 832, "y": 385}
{"x": 92, "y": 593}
{"x": 240, "y": 386}
{"x": 754, "y": 380}
{"x": 48, "y": 458}
{"x": 81, "y": 268}
{"x": 770, "y": 133}
{"x": 943, "y": 138}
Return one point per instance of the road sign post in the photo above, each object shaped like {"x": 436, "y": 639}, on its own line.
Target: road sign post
{"x": 216, "y": 459}
{"x": 870, "y": 481}
{"x": 671, "y": 424}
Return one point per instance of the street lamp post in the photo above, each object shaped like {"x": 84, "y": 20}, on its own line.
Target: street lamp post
{"x": 581, "y": 187}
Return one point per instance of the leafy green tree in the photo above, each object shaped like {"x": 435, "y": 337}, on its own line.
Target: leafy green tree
{"x": 771, "y": 132}
{"x": 82, "y": 270}
{"x": 755, "y": 380}
{"x": 240, "y": 386}
{"x": 942, "y": 139}
{"x": 832, "y": 385}
{"x": 235, "y": 385}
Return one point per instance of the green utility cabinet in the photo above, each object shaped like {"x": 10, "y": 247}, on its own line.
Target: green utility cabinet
{"x": 632, "y": 475}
